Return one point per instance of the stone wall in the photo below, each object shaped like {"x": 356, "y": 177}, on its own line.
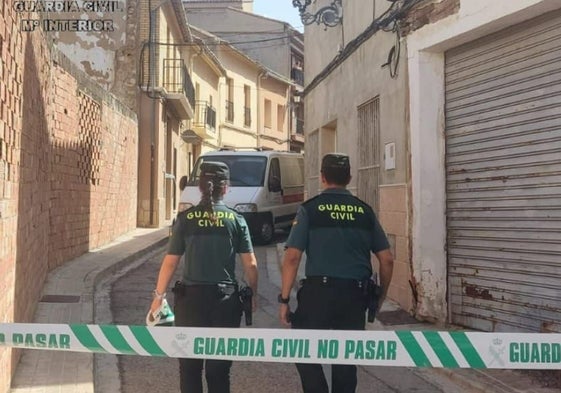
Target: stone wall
{"x": 68, "y": 169}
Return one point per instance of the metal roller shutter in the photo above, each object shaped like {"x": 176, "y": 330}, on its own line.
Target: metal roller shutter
{"x": 503, "y": 172}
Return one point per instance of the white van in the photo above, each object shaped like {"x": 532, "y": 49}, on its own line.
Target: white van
{"x": 266, "y": 187}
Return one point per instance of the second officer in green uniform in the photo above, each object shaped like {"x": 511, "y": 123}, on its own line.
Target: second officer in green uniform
{"x": 209, "y": 235}
{"x": 340, "y": 234}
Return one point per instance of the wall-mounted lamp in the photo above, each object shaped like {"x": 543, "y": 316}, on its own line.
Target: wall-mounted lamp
{"x": 330, "y": 15}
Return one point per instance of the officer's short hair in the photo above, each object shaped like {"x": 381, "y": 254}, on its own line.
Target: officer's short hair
{"x": 336, "y": 168}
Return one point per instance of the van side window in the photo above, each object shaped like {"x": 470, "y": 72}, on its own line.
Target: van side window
{"x": 275, "y": 176}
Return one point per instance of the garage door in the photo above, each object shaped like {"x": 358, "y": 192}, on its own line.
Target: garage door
{"x": 503, "y": 168}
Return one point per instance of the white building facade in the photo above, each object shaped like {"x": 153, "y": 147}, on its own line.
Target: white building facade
{"x": 485, "y": 132}
{"x": 355, "y": 106}
{"x": 458, "y": 150}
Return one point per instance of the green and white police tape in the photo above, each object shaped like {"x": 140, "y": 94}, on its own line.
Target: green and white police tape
{"x": 375, "y": 348}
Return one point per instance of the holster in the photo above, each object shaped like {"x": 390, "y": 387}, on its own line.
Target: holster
{"x": 372, "y": 292}
{"x": 246, "y": 296}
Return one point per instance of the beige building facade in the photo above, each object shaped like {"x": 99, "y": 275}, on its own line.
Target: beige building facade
{"x": 272, "y": 43}
{"x": 274, "y": 113}
{"x": 244, "y": 5}
{"x": 208, "y": 77}
{"x": 166, "y": 103}
{"x": 360, "y": 110}
{"x": 250, "y": 100}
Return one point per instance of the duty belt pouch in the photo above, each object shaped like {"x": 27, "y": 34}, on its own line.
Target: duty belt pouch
{"x": 179, "y": 289}
{"x": 225, "y": 291}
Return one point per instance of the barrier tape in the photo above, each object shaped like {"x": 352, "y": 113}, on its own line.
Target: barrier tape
{"x": 375, "y": 348}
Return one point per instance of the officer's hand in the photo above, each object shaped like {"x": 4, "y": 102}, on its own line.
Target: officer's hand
{"x": 284, "y": 312}
{"x": 254, "y": 303}
{"x": 156, "y": 304}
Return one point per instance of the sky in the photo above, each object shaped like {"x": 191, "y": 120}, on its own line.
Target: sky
{"x": 279, "y": 9}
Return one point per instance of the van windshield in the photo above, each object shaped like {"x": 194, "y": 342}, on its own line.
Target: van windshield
{"x": 245, "y": 171}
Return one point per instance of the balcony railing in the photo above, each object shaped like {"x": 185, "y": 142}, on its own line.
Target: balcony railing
{"x": 229, "y": 111}
{"x": 176, "y": 79}
{"x": 205, "y": 116}
{"x": 297, "y": 75}
{"x": 300, "y": 126}
{"x": 247, "y": 116}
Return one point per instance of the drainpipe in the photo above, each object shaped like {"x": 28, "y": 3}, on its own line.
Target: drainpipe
{"x": 152, "y": 70}
{"x": 289, "y": 118}
{"x": 220, "y": 107}
{"x": 262, "y": 75}
{"x": 192, "y": 57}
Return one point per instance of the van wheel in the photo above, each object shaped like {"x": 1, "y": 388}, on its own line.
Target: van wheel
{"x": 265, "y": 231}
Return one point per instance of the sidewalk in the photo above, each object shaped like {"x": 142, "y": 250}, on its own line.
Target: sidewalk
{"x": 466, "y": 380}
{"x": 68, "y": 297}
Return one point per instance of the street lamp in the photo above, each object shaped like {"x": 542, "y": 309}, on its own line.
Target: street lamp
{"x": 330, "y": 15}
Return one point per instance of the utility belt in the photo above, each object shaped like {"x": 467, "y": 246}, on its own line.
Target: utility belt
{"x": 222, "y": 291}
{"x": 371, "y": 291}
{"x": 333, "y": 282}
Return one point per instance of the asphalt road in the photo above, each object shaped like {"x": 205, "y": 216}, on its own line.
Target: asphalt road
{"x": 130, "y": 297}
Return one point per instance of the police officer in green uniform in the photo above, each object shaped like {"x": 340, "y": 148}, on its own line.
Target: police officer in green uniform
{"x": 209, "y": 235}
{"x": 339, "y": 234}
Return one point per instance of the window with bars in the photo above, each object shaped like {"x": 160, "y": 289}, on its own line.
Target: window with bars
{"x": 312, "y": 152}
{"x": 369, "y": 152}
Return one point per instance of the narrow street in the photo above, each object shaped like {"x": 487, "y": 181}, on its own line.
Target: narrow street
{"x": 131, "y": 296}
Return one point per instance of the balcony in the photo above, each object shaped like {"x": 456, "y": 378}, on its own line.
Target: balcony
{"x": 300, "y": 126}
{"x": 297, "y": 75}
{"x": 298, "y": 136}
{"x": 229, "y": 111}
{"x": 178, "y": 88}
{"x": 246, "y": 116}
{"x": 204, "y": 122}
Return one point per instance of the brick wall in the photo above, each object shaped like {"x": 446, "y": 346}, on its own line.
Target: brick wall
{"x": 68, "y": 169}
{"x": 428, "y": 12}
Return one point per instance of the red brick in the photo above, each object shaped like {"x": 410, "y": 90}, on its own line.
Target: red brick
{"x": 43, "y": 194}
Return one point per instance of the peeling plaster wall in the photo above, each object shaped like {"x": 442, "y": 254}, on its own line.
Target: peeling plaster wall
{"x": 109, "y": 57}
{"x": 425, "y": 51}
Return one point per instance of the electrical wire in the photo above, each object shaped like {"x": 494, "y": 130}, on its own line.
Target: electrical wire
{"x": 382, "y": 22}
{"x": 252, "y": 41}
{"x": 277, "y": 31}
{"x": 220, "y": 42}
{"x": 395, "y": 53}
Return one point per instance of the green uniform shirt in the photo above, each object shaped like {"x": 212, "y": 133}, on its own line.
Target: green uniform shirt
{"x": 210, "y": 244}
{"x": 338, "y": 232}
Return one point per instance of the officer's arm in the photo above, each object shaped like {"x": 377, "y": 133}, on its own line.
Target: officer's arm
{"x": 290, "y": 264}
{"x": 250, "y": 268}
{"x": 385, "y": 258}
{"x": 169, "y": 264}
